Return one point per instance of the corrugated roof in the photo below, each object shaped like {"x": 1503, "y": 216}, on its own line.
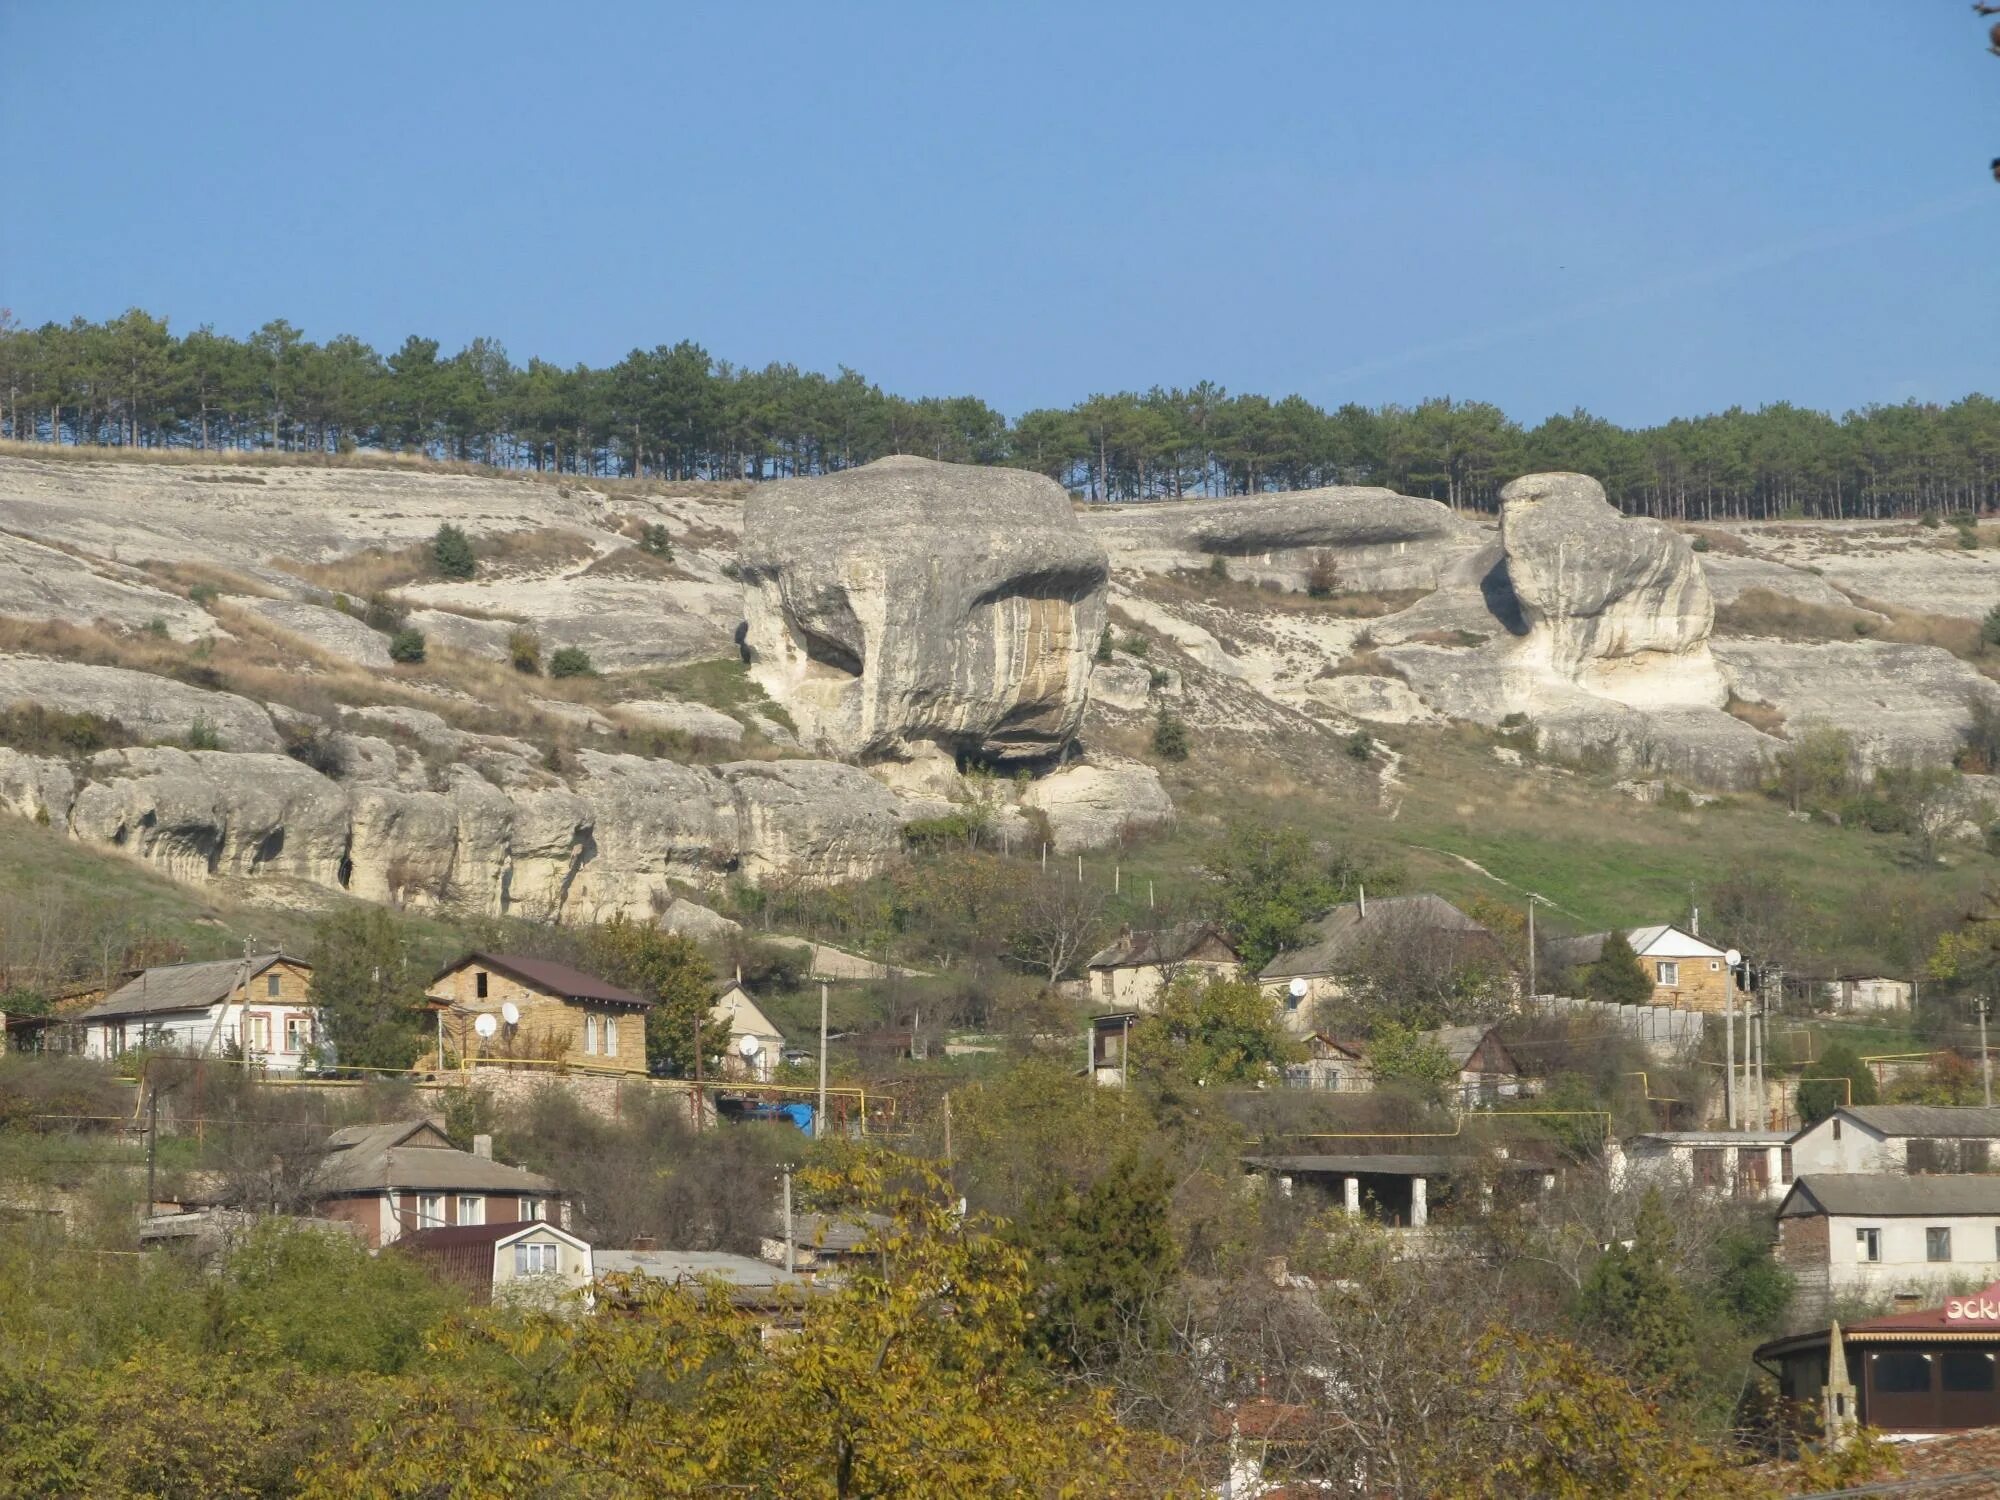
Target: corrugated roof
{"x": 175, "y": 987}
{"x": 1160, "y": 945}
{"x": 1959, "y": 1121}
{"x": 1342, "y": 932}
{"x": 546, "y": 974}
{"x": 835, "y": 1232}
{"x": 453, "y": 1235}
{"x": 1392, "y": 1164}
{"x": 371, "y": 1158}
{"x": 694, "y": 1265}
{"x": 1890, "y": 1195}
{"x": 1588, "y": 948}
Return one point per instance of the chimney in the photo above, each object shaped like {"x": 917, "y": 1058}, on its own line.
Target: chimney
{"x": 644, "y": 1242}
{"x": 482, "y": 1145}
{"x": 1694, "y": 921}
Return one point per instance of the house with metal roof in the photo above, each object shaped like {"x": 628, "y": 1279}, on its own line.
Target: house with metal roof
{"x": 536, "y": 1263}
{"x": 1900, "y": 1138}
{"x": 1687, "y": 972}
{"x": 507, "y": 1005}
{"x": 1886, "y": 1236}
{"x": 1131, "y": 972}
{"x": 396, "y": 1179}
{"x": 748, "y": 1041}
{"x": 1749, "y": 1165}
{"x": 257, "y": 1007}
{"x": 1299, "y": 978}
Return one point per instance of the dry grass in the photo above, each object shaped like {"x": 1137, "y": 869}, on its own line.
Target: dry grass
{"x": 373, "y": 570}
{"x": 1764, "y": 612}
{"x": 1193, "y": 586}
{"x": 192, "y": 575}
{"x": 545, "y": 549}
{"x": 1757, "y": 715}
{"x": 1727, "y": 542}
{"x": 1366, "y": 662}
{"x": 1448, "y": 638}
{"x": 1916, "y": 628}
{"x": 630, "y": 562}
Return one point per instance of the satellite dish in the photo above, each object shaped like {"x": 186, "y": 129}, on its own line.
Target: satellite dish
{"x": 749, "y": 1046}
{"x": 1298, "y": 988}
{"x": 1732, "y": 958}
{"x": 511, "y": 1013}
{"x": 486, "y": 1025}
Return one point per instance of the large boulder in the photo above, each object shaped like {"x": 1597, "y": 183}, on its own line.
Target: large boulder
{"x": 149, "y": 707}
{"x": 818, "y": 821}
{"x": 1616, "y": 605}
{"x": 1091, "y": 803}
{"x": 910, "y": 601}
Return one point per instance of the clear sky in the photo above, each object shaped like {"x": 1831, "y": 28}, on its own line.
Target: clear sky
{"x": 1647, "y": 209}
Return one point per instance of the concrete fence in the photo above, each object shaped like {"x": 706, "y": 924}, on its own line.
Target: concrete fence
{"x": 1668, "y": 1034}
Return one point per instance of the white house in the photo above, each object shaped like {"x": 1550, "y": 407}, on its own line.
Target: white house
{"x": 750, "y": 1043}
{"x": 256, "y": 1004}
{"x": 1131, "y": 972}
{"x": 1900, "y": 1138}
{"x": 1748, "y": 1164}
{"x": 1888, "y": 1237}
{"x": 536, "y": 1263}
{"x": 1866, "y": 994}
{"x": 1687, "y": 972}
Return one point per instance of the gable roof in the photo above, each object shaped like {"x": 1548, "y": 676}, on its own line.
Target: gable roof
{"x": 498, "y": 1236}
{"x": 174, "y": 987}
{"x": 1945, "y": 1121}
{"x": 1661, "y": 940}
{"x": 414, "y": 1154}
{"x": 560, "y": 980}
{"x": 1460, "y": 1042}
{"x": 1158, "y": 945}
{"x": 1890, "y": 1195}
{"x": 735, "y": 1009}
{"x": 1341, "y": 933}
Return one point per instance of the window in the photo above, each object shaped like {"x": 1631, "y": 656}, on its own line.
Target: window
{"x": 430, "y": 1210}
{"x": 271, "y": 985}
{"x": 1868, "y": 1244}
{"x": 610, "y": 1036}
{"x": 534, "y": 1260}
{"x": 1785, "y": 1165}
{"x": 471, "y": 1209}
{"x": 1714, "y": 966}
{"x": 590, "y": 1034}
{"x": 297, "y": 1031}
{"x": 479, "y": 983}
{"x": 260, "y": 1033}
{"x": 1836, "y": 1127}
{"x": 533, "y": 1209}
{"x": 1967, "y": 1370}
{"x": 1937, "y": 1244}
{"x": 1670, "y": 973}
{"x": 1901, "y": 1372}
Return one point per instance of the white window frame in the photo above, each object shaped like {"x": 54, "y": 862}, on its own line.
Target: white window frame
{"x": 471, "y": 1208}
{"x": 1670, "y": 973}
{"x": 590, "y": 1033}
{"x": 298, "y": 1033}
{"x": 533, "y": 1210}
{"x": 536, "y": 1259}
{"x": 260, "y": 1031}
{"x": 430, "y": 1210}
{"x": 610, "y": 1035}
{"x": 1868, "y": 1245}
{"x": 1931, "y": 1232}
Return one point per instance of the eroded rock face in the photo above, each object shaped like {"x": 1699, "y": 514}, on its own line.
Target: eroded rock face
{"x": 1089, "y": 804}
{"x": 149, "y": 707}
{"x": 909, "y": 601}
{"x": 1617, "y": 605}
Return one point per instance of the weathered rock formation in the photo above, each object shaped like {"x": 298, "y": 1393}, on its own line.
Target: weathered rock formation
{"x": 907, "y": 602}
{"x": 1092, "y": 803}
{"x": 1616, "y": 605}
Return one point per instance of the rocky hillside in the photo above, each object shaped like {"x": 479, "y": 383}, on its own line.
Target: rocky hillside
{"x": 214, "y": 668}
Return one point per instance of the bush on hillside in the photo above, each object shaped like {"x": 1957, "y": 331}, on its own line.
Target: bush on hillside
{"x": 571, "y": 661}
{"x": 451, "y": 553}
{"x": 407, "y": 646}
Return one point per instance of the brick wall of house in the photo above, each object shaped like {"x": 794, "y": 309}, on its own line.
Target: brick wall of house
{"x": 1699, "y": 987}
{"x": 550, "y": 1026}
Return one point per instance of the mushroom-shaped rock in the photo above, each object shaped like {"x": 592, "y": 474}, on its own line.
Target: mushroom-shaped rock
{"x": 1617, "y": 605}
{"x": 910, "y": 601}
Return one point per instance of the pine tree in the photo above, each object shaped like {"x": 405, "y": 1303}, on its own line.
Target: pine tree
{"x": 451, "y": 553}
{"x": 1632, "y": 1297}
{"x": 1616, "y": 978}
{"x": 1110, "y": 1251}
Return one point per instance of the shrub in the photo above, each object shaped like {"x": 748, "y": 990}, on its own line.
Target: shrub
{"x": 1170, "y": 737}
{"x": 1699, "y": 544}
{"x": 524, "y": 650}
{"x": 571, "y": 661}
{"x": 384, "y": 612}
{"x": 451, "y": 553}
{"x": 1134, "y": 645}
{"x": 35, "y": 730}
{"x": 1323, "y": 577}
{"x": 203, "y": 735}
{"x": 1968, "y": 536}
{"x": 1218, "y": 568}
{"x": 204, "y": 594}
{"x": 1929, "y": 518}
{"x": 407, "y": 645}
{"x": 1359, "y": 746}
{"x": 157, "y": 628}
{"x": 655, "y": 542}
{"x": 314, "y": 745}
{"x": 1104, "y": 645}
{"x": 1989, "y": 628}
{"x": 1158, "y": 677}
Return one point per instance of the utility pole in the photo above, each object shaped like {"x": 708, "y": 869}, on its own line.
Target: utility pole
{"x": 1985, "y": 1063}
{"x": 697, "y": 1070}
{"x": 819, "y": 1115}
{"x": 152, "y": 1139}
{"x": 947, "y": 1127}
{"x": 1532, "y": 991}
{"x": 791, "y": 1238}
{"x": 1729, "y": 1053}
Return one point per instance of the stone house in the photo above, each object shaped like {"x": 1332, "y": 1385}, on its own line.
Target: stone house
{"x": 1300, "y": 978}
{"x": 1908, "y": 1139}
{"x": 1687, "y": 973}
{"x": 258, "y": 1004}
{"x": 1131, "y": 973}
{"x": 1486, "y": 1070}
{"x": 748, "y": 1041}
{"x": 1752, "y": 1165}
{"x": 540, "y": 1009}
{"x": 1882, "y": 1236}
{"x": 392, "y": 1180}
{"x": 535, "y": 1262}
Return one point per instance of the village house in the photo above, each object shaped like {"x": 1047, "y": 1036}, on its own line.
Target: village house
{"x": 1487, "y": 1071}
{"x": 820, "y": 1244}
{"x": 1899, "y": 1138}
{"x": 1687, "y": 973}
{"x": 533, "y": 1262}
{"x": 749, "y": 1043}
{"x": 1907, "y": 1375}
{"x": 256, "y": 1008}
{"x": 1865, "y": 994}
{"x": 1881, "y": 1236}
{"x": 1132, "y": 972}
{"x": 1300, "y": 978}
{"x": 540, "y": 1010}
{"x": 1751, "y": 1165}
{"x": 767, "y": 1294}
{"x": 395, "y": 1179}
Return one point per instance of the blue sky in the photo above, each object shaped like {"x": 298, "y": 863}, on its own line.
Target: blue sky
{"x": 1643, "y": 209}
